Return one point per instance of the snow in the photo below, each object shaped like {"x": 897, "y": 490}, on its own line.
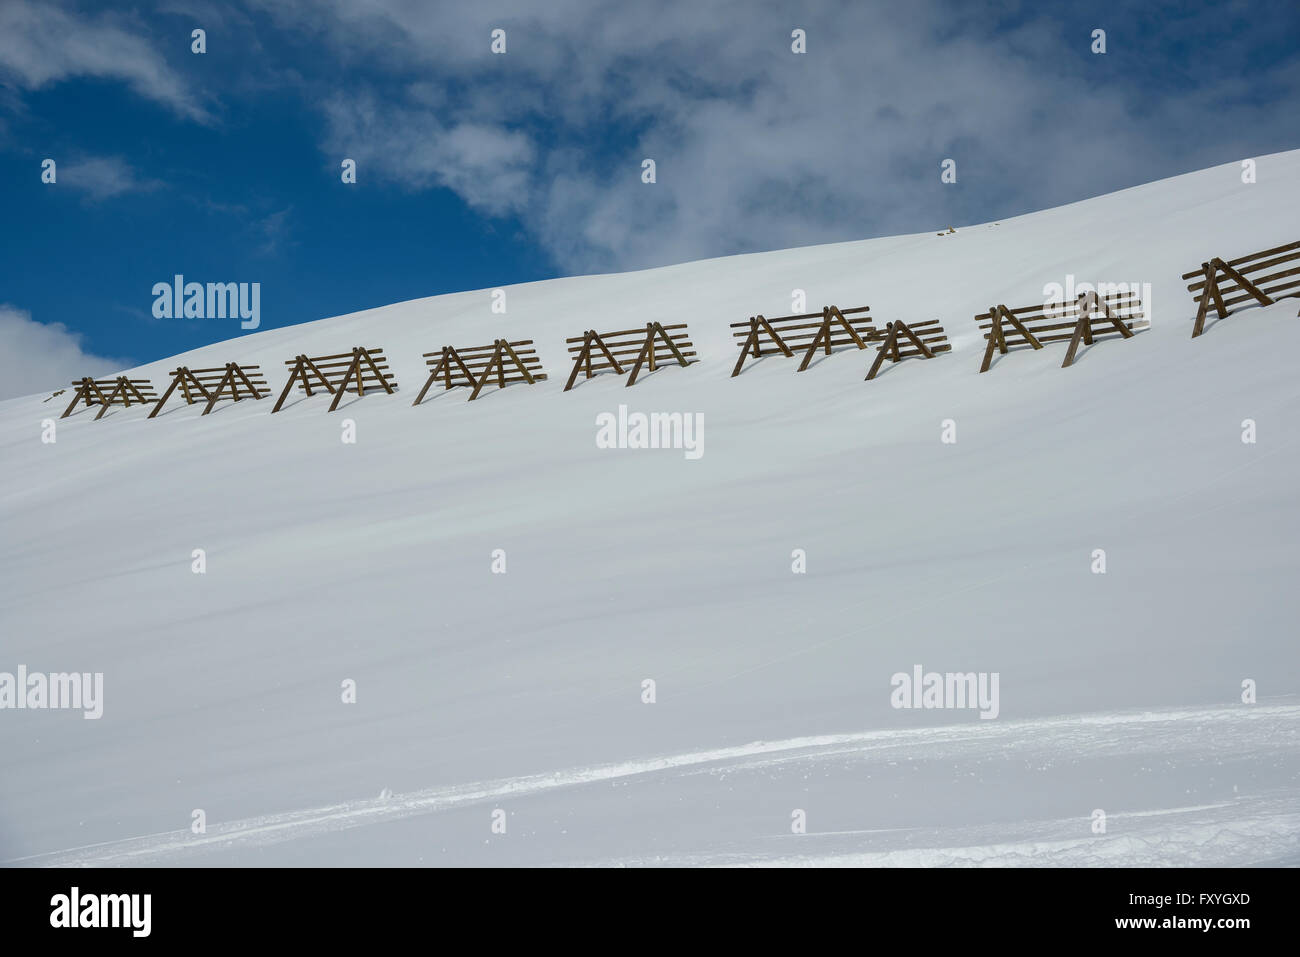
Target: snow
{"x": 523, "y": 691}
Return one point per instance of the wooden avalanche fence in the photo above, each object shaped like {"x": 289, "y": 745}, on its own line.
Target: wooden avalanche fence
{"x": 1249, "y": 277}
{"x": 209, "y": 385}
{"x": 105, "y": 392}
{"x": 361, "y": 369}
{"x": 919, "y": 339}
{"x": 1080, "y": 321}
{"x": 790, "y": 334}
{"x": 651, "y": 346}
{"x": 477, "y": 366}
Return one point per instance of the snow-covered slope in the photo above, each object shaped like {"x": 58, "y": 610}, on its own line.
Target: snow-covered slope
{"x": 523, "y": 691}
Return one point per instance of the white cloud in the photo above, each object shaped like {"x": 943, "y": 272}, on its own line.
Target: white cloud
{"x": 102, "y": 177}
{"x": 39, "y": 357}
{"x": 273, "y": 230}
{"x": 42, "y": 44}
{"x": 489, "y": 167}
{"x": 756, "y": 147}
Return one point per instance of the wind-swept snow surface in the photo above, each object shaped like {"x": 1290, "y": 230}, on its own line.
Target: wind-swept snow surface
{"x": 773, "y": 692}
{"x": 664, "y": 810}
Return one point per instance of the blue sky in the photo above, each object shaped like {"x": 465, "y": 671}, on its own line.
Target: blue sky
{"x": 477, "y": 170}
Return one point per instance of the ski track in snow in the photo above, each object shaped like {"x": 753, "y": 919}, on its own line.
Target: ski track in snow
{"x": 1159, "y": 838}
{"x": 1201, "y": 840}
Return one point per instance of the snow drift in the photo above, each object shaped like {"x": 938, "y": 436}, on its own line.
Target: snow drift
{"x": 526, "y": 692}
